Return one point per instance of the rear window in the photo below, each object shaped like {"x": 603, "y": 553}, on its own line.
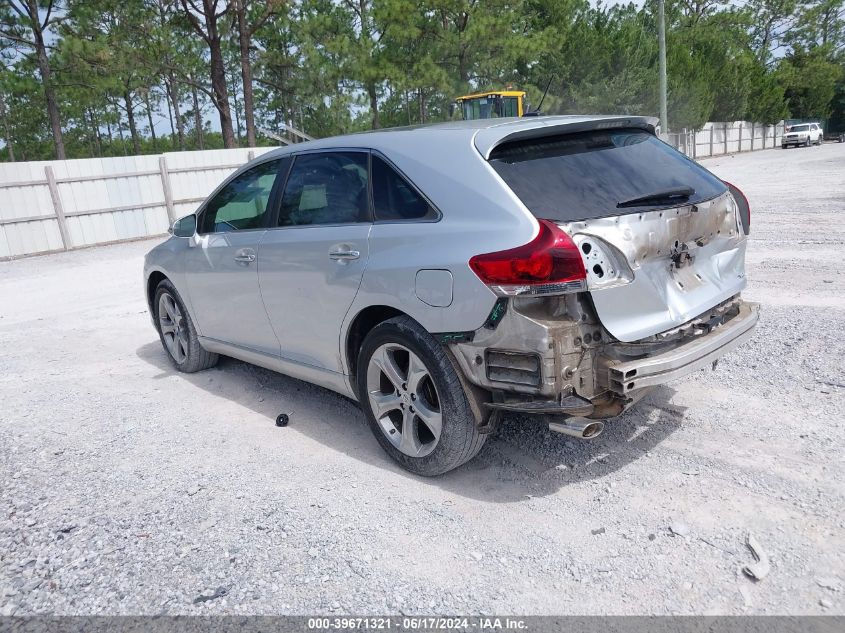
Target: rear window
{"x": 584, "y": 176}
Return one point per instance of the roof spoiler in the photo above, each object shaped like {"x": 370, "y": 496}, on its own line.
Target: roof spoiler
{"x": 536, "y": 127}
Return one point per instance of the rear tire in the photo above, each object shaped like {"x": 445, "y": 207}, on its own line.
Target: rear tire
{"x": 413, "y": 399}
{"x": 177, "y": 332}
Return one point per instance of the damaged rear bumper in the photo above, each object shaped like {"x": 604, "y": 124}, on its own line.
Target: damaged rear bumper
{"x": 552, "y": 356}
{"x": 626, "y": 377}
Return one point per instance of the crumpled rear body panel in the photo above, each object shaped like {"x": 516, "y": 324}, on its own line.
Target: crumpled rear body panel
{"x": 682, "y": 261}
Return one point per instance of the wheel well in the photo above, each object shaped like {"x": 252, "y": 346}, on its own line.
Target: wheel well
{"x": 365, "y": 321}
{"x": 153, "y": 281}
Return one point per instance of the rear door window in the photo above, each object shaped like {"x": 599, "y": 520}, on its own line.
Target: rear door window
{"x": 326, "y": 188}
{"x": 584, "y": 176}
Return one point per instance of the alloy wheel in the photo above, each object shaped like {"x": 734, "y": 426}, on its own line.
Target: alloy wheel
{"x": 404, "y": 400}
{"x": 174, "y": 330}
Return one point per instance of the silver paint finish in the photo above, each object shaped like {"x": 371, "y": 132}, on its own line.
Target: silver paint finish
{"x": 661, "y": 294}
{"x": 307, "y": 289}
{"x": 434, "y": 287}
{"x": 533, "y": 127}
{"x": 330, "y": 380}
{"x": 221, "y": 274}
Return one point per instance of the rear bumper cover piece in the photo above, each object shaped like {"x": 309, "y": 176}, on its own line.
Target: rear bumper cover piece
{"x": 625, "y": 377}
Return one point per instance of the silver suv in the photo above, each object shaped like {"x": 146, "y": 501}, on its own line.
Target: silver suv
{"x": 447, "y": 274}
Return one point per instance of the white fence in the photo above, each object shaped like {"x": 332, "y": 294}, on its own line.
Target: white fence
{"x": 50, "y": 206}
{"x": 716, "y": 139}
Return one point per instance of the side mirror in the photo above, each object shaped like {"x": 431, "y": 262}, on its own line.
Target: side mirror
{"x": 184, "y": 227}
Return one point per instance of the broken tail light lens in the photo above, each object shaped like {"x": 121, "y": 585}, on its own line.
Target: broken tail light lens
{"x": 742, "y": 205}
{"x": 548, "y": 264}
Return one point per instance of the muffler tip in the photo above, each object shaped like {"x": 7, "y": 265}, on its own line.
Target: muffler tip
{"x": 582, "y": 429}
{"x": 594, "y": 429}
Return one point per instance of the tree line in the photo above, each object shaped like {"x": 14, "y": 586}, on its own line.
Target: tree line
{"x": 82, "y": 78}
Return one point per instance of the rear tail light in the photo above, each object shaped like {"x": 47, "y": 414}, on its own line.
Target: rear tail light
{"x": 548, "y": 264}
{"x": 742, "y": 205}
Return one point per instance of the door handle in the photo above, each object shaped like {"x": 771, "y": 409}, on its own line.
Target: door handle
{"x": 344, "y": 255}
{"x": 245, "y": 258}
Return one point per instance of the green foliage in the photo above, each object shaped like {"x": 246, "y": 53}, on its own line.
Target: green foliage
{"x": 810, "y": 78}
{"x": 119, "y": 67}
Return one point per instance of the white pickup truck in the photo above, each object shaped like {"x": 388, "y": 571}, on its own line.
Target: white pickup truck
{"x": 805, "y": 134}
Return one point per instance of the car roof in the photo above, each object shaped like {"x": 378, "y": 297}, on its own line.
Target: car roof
{"x": 485, "y": 134}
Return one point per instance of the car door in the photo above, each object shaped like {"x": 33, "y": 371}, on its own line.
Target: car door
{"x": 311, "y": 262}
{"x": 221, "y": 268}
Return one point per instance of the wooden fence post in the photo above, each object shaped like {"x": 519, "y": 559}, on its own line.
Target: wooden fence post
{"x": 725, "y": 125}
{"x": 752, "y": 136}
{"x": 165, "y": 185}
{"x": 711, "y": 138}
{"x": 739, "y": 148}
{"x": 57, "y": 207}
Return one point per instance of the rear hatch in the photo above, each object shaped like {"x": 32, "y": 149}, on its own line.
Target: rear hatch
{"x": 662, "y": 239}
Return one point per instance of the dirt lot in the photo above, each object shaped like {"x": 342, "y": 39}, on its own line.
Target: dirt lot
{"x": 128, "y": 488}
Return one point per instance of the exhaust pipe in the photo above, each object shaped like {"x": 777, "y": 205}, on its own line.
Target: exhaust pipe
{"x": 583, "y": 429}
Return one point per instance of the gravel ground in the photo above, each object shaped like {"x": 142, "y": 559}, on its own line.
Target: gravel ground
{"x": 128, "y": 488}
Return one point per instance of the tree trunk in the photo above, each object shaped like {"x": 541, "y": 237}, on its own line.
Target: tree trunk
{"x": 150, "y": 121}
{"x": 130, "y": 116}
{"x": 7, "y": 135}
{"x": 244, "y": 37}
{"x": 211, "y": 35}
{"x": 173, "y": 93}
{"x": 422, "y": 104}
{"x": 170, "y": 117}
{"x": 49, "y": 92}
{"x": 120, "y": 129}
{"x": 371, "y": 91}
{"x": 197, "y": 118}
{"x": 239, "y": 134}
{"x": 95, "y": 128}
{"x": 221, "y": 93}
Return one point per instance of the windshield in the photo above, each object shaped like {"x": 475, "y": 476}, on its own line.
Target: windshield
{"x": 799, "y": 128}
{"x": 489, "y": 107}
{"x": 587, "y": 175}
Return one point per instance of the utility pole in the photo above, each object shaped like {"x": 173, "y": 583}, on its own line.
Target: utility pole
{"x": 661, "y": 30}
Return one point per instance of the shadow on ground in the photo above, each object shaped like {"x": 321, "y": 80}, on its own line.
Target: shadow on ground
{"x": 522, "y": 460}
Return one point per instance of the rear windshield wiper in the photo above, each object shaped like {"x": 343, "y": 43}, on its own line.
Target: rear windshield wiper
{"x": 658, "y": 197}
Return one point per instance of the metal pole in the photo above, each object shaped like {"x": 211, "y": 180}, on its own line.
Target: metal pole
{"x": 664, "y": 117}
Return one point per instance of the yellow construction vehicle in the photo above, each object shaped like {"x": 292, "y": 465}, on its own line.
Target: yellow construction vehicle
{"x": 493, "y": 104}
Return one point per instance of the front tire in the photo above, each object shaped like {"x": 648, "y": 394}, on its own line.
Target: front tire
{"x": 413, "y": 399}
{"x": 177, "y": 332}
